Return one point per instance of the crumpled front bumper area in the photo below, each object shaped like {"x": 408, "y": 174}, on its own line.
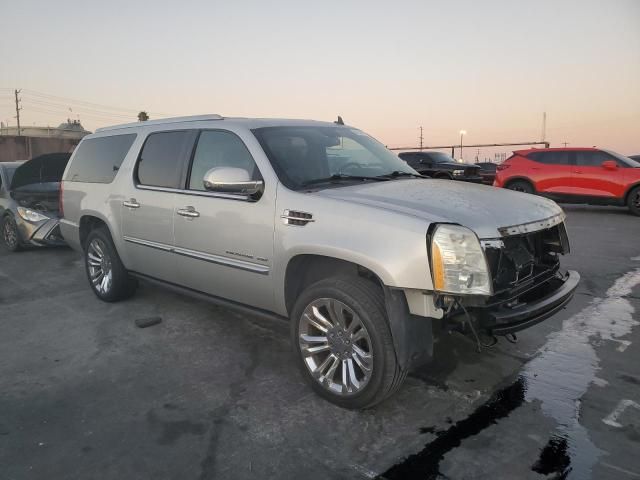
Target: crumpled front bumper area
{"x": 536, "y": 305}
{"x": 46, "y": 232}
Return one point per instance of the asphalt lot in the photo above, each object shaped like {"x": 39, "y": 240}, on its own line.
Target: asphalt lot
{"x": 209, "y": 393}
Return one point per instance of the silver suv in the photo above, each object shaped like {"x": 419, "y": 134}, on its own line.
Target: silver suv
{"x": 320, "y": 224}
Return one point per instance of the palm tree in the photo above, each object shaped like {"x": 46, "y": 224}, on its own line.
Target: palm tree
{"x": 143, "y": 116}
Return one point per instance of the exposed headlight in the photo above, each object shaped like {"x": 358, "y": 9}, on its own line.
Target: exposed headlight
{"x": 31, "y": 215}
{"x": 458, "y": 172}
{"x": 458, "y": 264}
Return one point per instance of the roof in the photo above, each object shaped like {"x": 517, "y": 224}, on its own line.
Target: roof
{"x": 248, "y": 122}
{"x": 526, "y": 151}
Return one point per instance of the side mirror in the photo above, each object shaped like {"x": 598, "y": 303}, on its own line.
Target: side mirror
{"x": 609, "y": 165}
{"x": 232, "y": 180}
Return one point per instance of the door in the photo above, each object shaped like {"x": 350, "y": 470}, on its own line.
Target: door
{"x": 551, "y": 172}
{"x": 224, "y": 242}
{"x": 592, "y": 179}
{"x": 148, "y": 207}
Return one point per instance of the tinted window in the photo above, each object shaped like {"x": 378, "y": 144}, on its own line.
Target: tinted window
{"x": 163, "y": 158}
{"x": 97, "y": 160}
{"x": 592, "y": 159}
{"x": 551, "y": 158}
{"x": 219, "y": 149}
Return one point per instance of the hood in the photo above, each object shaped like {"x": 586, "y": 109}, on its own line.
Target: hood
{"x": 36, "y": 183}
{"x": 482, "y": 208}
{"x": 43, "y": 169}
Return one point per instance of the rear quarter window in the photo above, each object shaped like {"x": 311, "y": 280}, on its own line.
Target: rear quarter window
{"x": 97, "y": 160}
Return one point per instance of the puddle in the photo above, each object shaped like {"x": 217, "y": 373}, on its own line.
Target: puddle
{"x": 557, "y": 378}
{"x": 426, "y": 463}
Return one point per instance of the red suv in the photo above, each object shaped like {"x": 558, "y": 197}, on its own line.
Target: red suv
{"x": 574, "y": 175}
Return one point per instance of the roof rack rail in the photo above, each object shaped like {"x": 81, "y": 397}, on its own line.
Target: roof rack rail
{"x": 192, "y": 118}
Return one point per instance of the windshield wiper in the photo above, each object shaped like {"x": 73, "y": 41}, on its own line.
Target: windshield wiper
{"x": 336, "y": 177}
{"x": 398, "y": 173}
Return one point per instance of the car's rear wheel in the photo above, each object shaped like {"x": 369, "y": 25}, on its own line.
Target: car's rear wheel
{"x": 633, "y": 202}
{"x": 521, "y": 186}
{"x": 10, "y": 234}
{"x": 107, "y": 276}
{"x": 343, "y": 342}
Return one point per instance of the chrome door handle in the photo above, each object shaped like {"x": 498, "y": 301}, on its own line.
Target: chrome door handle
{"x": 131, "y": 203}
{"x": 188, "y": 212}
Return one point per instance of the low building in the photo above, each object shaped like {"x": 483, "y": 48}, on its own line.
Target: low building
{"x": 34, "y": 141}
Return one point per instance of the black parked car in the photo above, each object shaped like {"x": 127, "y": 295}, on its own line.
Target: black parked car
{"x": 441, "y": 165}
{"x": 487, "y": 172}
{"x": 635, "y": 157}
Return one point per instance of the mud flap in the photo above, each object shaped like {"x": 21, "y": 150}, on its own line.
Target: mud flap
{"x": 412, "y": 335}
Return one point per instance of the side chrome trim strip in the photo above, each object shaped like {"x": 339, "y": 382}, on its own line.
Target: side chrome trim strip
{"x": 217, "y": 259}
{"x": 207, "y": 257}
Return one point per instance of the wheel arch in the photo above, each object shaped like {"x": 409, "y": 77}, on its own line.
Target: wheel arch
{"x": 412, "y": 335}
{"x": 305, "y": 269}
{"x": 90, "y": 222}
{"x": 628, "y": 192}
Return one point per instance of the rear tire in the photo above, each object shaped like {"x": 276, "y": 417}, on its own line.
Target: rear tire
{"x": 633, "y": 201}
{"x": 521, "y": 186}
{"x": 10, "y": 234}
{"x": 343, "y": 321}
{"x": 107, "y": 276}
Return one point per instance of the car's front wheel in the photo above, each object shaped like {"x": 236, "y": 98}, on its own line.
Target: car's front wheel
{"x": 521, "y": 186}
{"x": 107, "y": 276}
{"x": 10, "y": 234}
{"x": 633, "y": 201}
{"x": 343, "y": 342}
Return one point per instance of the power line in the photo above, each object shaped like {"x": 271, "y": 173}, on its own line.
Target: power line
{"x": 89, "y": 104}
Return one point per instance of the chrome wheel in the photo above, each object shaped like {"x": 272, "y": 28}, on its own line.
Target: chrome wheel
{"x": 10, "y": 233}
{"x": 335, "y": 346}
{"x": 100, "y": 268}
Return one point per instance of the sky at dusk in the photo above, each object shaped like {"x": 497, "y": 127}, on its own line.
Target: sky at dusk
{"x": 488, "y": 67}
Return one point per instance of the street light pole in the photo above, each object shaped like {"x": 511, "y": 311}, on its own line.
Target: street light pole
{"x": 462, "y": 134}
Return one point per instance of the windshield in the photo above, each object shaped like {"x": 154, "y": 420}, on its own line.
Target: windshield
{"x": 629, "y": 161}
{"x": 306, "y": 155}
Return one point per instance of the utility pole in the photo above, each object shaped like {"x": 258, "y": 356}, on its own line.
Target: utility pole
{"x": 565, "y": 144}
{"x": 421, "y": 138}
{"x": 544, "y": 126}
{"x": 18, "y": 108}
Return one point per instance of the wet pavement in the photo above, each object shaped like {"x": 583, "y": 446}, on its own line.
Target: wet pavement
{"x": 208, "y": 393}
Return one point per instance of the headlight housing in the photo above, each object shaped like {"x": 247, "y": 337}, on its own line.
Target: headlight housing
{"x": 31, "y": 215}
{"x": 458, "y": 264}
{"x": 458, "y": 172}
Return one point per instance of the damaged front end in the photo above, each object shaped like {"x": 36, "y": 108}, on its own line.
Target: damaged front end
{"x": 35, "y": 188}
{"x": 527, "y": 284}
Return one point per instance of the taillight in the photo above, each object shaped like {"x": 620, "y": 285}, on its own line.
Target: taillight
{"x": 503, "y": 166}
{"x": 60, "y": 207}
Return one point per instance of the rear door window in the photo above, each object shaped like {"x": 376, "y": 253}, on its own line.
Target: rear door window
{"x": 163, "y": 158}
{"x": 551, "y": 158}
{"x": 97, "y": 160}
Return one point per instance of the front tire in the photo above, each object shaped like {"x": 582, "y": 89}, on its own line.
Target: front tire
{"x": 633, "y": 202}
{"x": 343, "y": 343}
{"x": 10, "y": 234}
{"x": 521, "y": 186}
{"x": 107, "y": 276}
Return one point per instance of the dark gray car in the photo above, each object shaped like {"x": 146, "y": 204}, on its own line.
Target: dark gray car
{"x": 29, "y": 191}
